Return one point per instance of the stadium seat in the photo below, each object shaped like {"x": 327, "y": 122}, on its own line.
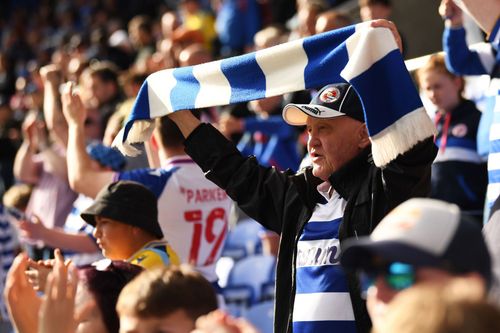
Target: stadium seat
{"x": 247, "y": 278}
{"x": 261, "y": 315}
{"x": 243, "y": 240}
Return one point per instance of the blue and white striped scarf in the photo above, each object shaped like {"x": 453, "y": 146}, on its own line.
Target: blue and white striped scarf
{"x": 366, "y": 57}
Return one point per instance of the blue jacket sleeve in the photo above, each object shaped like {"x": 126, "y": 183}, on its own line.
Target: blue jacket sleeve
{"x": 459, "y": 58}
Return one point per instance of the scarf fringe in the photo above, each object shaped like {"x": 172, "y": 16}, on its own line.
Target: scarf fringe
{"x": 401, "y": 136}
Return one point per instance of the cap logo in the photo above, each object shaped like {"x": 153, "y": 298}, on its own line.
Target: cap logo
{"x": 330, "y": 95}
{"x": 314, "y": 110}
{"x": 401, "y": 218}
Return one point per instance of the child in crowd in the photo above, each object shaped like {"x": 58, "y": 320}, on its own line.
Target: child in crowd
{"x": 125, "y": 217}
{"x": 459, "y": 175}
{"x": 167, "y": 299}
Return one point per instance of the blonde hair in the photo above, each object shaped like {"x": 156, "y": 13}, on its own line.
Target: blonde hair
{"x": 17, "y": 196}
{"x": 437, "y": 63}
{"x": 460, "y": 307}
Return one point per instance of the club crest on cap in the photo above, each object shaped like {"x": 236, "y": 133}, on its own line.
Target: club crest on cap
{"x": 330, "y": 95}
{"x": 401, "y": 218}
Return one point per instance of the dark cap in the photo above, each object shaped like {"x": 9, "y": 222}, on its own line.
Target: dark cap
{"x": 106, "y": 156}
{"x": 333, "y": 100}
{"x": 126, "y": 202}
{"x": 426, "y": 233}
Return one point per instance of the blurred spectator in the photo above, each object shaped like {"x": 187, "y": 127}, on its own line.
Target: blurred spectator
{"x": 198, "y": 26}
{"x": 375, "y": 9}
{"x": 10, "y": 140}
{"x": 269, "y": 36}
{"x": 491, "y": 233}
{"x": 236, "y": 23}
{"x": 165, "y": 299}
{"x": 378, "y": 9}
{"x": 194, "y": 54}
{"x": 459, "y": 307}
{"x": 17, "y": 196}
{"x": 100, "y": 86}
{"x": 477, "y": 61}
{"x": 40, "y": 163}
{"x": 331, "y": 20}
{"x": 7, "y": 77}
{"x": 307, "y": 14}
{"x": 9, "y": 246}
{"x": 140, "y": 31}
{"x": 422, "y": 241}
{"x": 459, "y": 174}
{"x": 266, "y": 136}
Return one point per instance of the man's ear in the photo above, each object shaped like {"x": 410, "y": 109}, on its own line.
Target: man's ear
{"x": 364, "y": 138}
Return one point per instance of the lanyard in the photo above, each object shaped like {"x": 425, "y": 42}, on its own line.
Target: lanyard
{"x": 444, "y": 131}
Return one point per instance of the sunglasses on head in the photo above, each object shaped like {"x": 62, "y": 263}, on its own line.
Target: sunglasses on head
{"x": 396, "y": 275}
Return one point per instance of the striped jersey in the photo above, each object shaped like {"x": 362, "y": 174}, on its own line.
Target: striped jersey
{"x": 9, "y": 243}
{"x": 154, "y": 254}
{"x": 484, "y": 59}
{"x": 75, "y": 224}
{"x": 322, "y": 301}
{"x": 192, "y": 211}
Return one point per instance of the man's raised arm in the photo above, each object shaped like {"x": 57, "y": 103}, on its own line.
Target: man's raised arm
{"x": 83, "y": 178}
{"x": 185, "y": 120}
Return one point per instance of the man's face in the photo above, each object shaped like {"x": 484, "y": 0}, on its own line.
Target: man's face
{"x": 102, "y": 91}
{"x": 374, "y": 12}
{"x": 333, "y": 142}
{"x": 114, "y": 238}
{"x": 175, "y": 322}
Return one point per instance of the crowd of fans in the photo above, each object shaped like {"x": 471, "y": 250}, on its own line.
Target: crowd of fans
{"x": 69, "y": 75}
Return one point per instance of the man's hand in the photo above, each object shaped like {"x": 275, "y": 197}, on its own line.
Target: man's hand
{"x": 391, "y": 26}
{"x": 22, "y": 302}
{"x": 33, "y": 229}
{"x": 34, "y": 131}
{"x": 185, "y": 120}
{"x": 57, "y": 312}
{"x": 51, "y": 74}
{"x": 37, "y": 273}
{"x": 451, "y": 13}
{"x": 229, "y": 125}
{"x": 73, "y": 109}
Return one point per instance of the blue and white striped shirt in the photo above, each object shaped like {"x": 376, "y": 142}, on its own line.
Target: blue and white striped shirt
{"x": 322, "y": 301}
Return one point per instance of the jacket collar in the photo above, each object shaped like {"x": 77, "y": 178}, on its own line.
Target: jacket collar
{"x": 346, "y": 180}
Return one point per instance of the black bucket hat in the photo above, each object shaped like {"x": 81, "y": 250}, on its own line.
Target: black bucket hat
{"x": 126, "y": 202}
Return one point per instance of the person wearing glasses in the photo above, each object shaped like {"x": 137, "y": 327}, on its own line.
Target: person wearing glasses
{"x": 422, "y": 241}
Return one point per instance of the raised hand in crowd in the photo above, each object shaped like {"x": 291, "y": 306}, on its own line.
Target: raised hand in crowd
{"x": 22, "y": 302}
{"x": 391, "y": 26}
{"x": 73, "y": 108}
{"x": 451, "y": 13}
{"x": 38, "y": 271}
{"x": 57, "y": 311}
{"x": 34, "y": 132}
{"x": 32, "y": 230}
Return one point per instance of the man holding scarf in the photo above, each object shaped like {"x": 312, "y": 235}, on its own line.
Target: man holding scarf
{"x": 370, "y": 141}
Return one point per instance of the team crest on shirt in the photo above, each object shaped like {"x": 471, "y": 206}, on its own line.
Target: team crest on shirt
{"x": 330, "y": 95}
{"x": 459, "y": 130}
